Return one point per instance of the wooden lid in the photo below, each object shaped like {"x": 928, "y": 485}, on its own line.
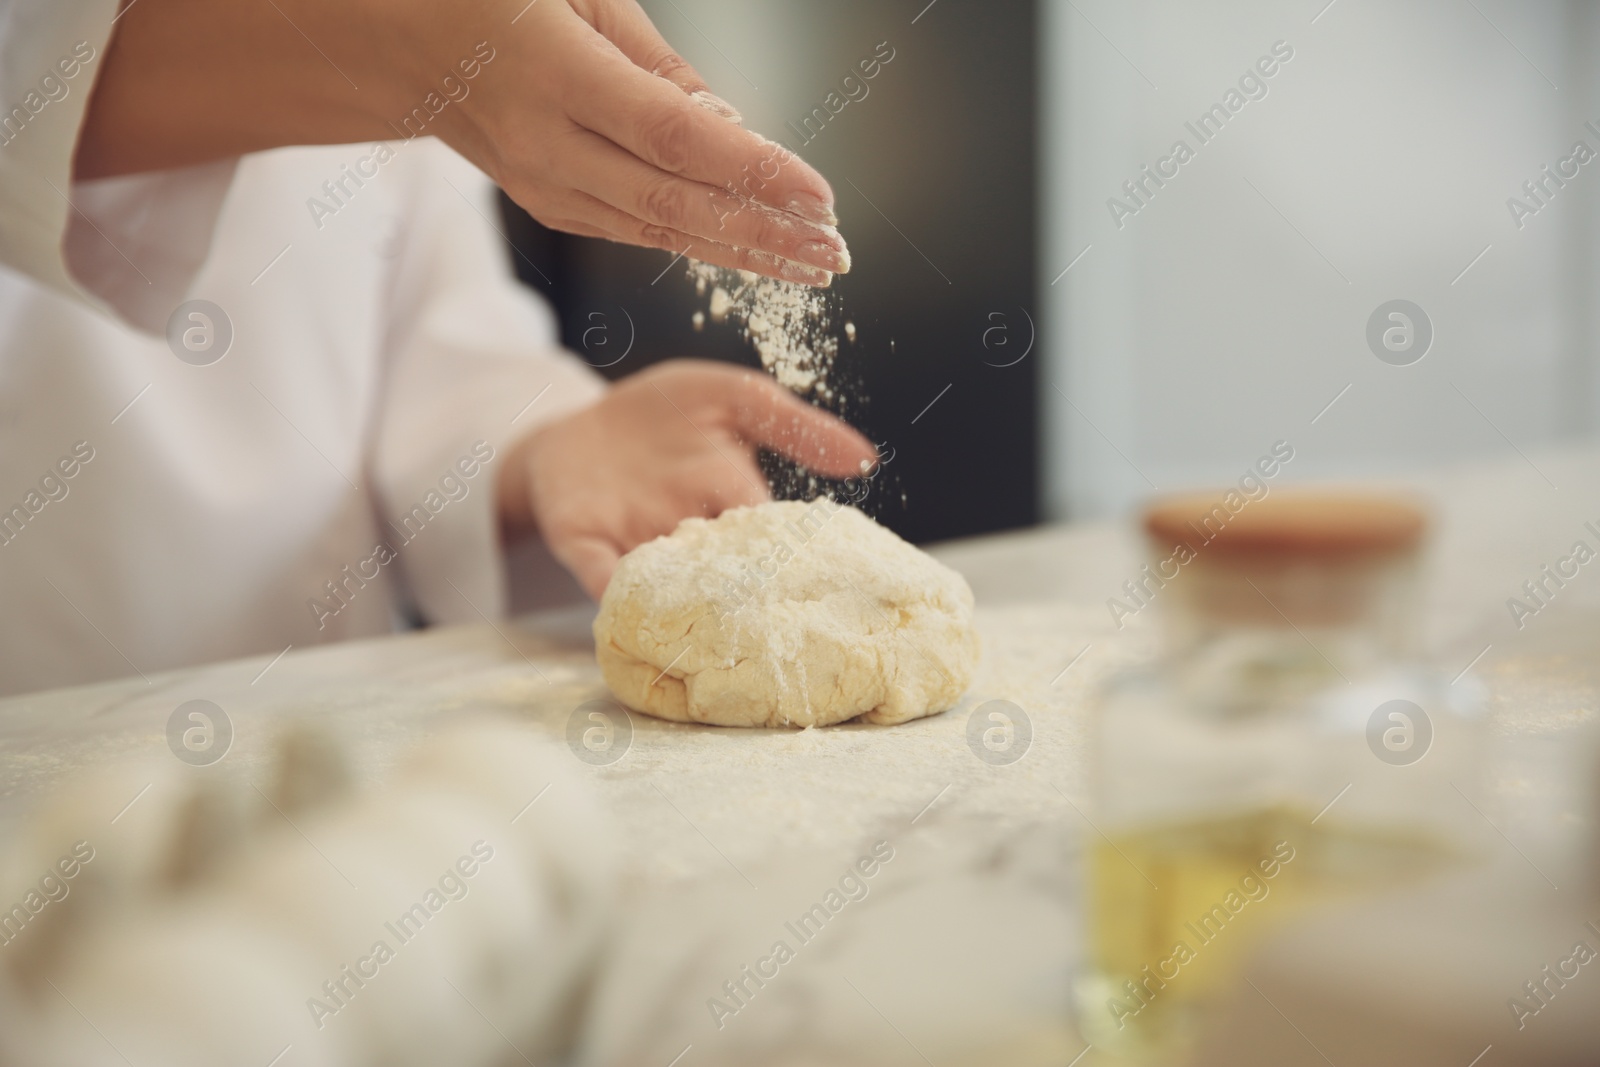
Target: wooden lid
{"x": 1306, "y": 523}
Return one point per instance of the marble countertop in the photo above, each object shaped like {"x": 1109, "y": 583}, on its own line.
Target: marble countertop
{"x": 726, "y": 832}
{"x": 696, "y": 798}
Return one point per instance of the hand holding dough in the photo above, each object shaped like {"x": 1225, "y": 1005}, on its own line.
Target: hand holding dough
{"x": 785, "y": 614}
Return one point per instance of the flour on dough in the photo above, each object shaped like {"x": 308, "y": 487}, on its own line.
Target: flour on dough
{"x": 785, "y": 614}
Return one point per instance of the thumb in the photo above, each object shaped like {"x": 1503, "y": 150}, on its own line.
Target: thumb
{"x": 625, "y": 24}
{"x": 590, "y": 559}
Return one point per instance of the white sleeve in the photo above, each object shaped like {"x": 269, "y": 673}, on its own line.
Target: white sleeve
{"x": 472, "y": 356}
{"x": 137, "y": 242}
{"x": 127, "y": 245}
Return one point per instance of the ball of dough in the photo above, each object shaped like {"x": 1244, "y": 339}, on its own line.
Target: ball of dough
{"x": 785, "y": 614}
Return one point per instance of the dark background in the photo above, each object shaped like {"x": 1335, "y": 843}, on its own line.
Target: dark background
{"x": 934, "y": 174}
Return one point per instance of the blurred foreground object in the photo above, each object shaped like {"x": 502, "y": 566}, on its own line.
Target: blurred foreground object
{"x": 1271, "y": 758}
{"x": 1494, "y": 966}
{"x": 378, "y": 928}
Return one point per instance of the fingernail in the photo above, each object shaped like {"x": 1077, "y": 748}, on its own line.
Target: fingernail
{"x": 826, "y": 256}
{"x": 717, "y": 106}
{"x": 804, "y": 275}
{"x": 810, "y": 206}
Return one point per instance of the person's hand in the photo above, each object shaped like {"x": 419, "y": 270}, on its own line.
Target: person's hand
{"x": 674, "y": 441}
{"x": 615, "y": 135}
{"x": 577, "y": 108}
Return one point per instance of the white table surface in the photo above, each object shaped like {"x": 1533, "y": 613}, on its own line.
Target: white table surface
{"x": 1041, "y": 595}
{"x": 701, "y": 805}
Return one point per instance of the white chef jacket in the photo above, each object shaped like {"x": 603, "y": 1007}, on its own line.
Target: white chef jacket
{"x": 324, "y": 477}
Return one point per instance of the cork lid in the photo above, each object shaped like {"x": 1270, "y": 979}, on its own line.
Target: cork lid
{"x": 1304, "y": 523}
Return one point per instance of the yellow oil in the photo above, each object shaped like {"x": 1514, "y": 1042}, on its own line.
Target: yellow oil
{"x": 1175, "y": 909}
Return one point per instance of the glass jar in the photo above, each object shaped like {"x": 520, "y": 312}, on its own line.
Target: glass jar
{"x": 1288, "y": 745}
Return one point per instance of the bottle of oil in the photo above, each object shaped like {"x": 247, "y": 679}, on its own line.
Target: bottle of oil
{"x": 1286, "y": 747}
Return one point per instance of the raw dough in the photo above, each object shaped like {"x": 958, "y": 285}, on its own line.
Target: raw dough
{"x": 785, "y": 614}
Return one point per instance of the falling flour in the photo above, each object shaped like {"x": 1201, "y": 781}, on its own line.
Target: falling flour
{"x": 789, "y": 325}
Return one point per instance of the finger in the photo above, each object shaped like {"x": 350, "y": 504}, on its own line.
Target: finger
{"x": 632, "y": 186}
{"x": 767, "y": 414}
{"x": 658, "y": 123}
{"x": 738, "y": 482}
{"x": 590, "y": 559}
{"x": 714, "y": 497}
{"x": 631, "y": 30}
{"x": 625, "y": 24}
{"x": 601, "y": 219}
{"x": 582, "y": 229}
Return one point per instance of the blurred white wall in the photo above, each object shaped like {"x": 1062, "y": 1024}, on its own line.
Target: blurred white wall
{"x": 1233, "y": 307}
